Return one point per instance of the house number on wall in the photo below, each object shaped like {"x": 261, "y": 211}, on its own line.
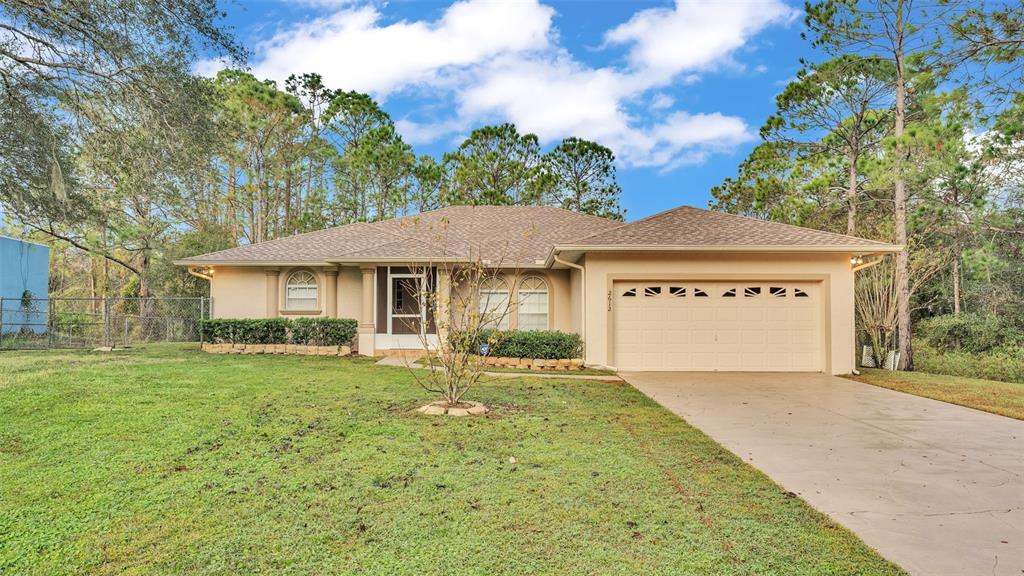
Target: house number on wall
{"x": 609, "y": 300}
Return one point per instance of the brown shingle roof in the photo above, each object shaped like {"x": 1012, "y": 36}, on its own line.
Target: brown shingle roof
{"x": 318, "y": 246}
{"x": 512, "y": 235}
{"x": 693, "y": 227}
{"x": 525, "y": 236}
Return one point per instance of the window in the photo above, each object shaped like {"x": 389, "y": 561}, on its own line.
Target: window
{"x": 494, "y": 302}
{"x": 533, "y": 304}
{"x": 751, "y": 291}
{"x": 300, "y": 291}
{"x": 698, "y": 293}
{"x": 677, "y": 291}
{"x": 777, "y": 291}
{"x": 730, "y": 293}
{"x": 652, "y": 290}
{"x": 798, "y": 293}
{"x": 630, "y": 292}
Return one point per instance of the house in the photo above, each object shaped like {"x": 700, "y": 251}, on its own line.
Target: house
{"x": 686, "y": 289}
{"x": 24, "y": 285}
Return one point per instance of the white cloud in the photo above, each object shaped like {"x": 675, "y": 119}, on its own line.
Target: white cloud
{"x": 661, "y": 101}
{"x": 694, "y": 35}
{"x": 352, "y": 49}
{"x": 501, "y": 61}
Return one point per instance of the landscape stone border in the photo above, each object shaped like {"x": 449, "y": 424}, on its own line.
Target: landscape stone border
{"x": 533, "y": 363}
{"x": 295, "y": 349}
{"x": 442, "y": 408}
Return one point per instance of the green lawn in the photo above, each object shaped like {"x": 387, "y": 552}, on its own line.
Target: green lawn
{"x": 164, "y": 460}
{"x": 1005, "y": 398}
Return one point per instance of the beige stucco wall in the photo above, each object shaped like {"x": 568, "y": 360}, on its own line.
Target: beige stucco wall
{"x": 242, "y": 292}
{"x": 239, "y": 293}
{"x": 350, "y": 293}
{"x": 576, "y": 300}
{"x": 833, "y": 270}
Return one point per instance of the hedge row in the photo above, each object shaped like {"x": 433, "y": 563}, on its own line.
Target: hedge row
{"x": 304, "y": 331}
{"x": 1005, "y": 364}
{"x": 541, "y": 344}
{"x": 969, "y": 332}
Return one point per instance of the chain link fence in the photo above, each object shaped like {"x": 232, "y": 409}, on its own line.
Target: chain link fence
{"x": 27, "y": 323}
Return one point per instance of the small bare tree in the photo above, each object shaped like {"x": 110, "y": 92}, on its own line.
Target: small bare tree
{"x": 469, "y": 313}
{"x": 468, "y": 307}
{"x": 875, "y": 299}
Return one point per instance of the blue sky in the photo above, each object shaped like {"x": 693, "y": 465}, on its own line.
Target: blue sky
{"x": 678, "y": 91}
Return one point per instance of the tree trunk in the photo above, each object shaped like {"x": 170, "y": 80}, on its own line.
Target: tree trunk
{"x": 287, "y": 205}
{"x": 145, "y": 303}
{"x": 851, "y": 197}
{"x": 956, "y": 282}
{"x": 233, "y": 214}
{"x": 906, "y": 349}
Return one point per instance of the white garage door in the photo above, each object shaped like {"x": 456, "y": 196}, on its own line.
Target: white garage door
{"x": 725, "y": 326}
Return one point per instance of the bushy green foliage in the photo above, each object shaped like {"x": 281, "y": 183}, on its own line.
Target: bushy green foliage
{"x": 70, "y": 322}
{"x": 1005, "y": 364}
{"x": 323, "y": 331}
{"x": 306, "y": 331}
{"x": 969, "y": 333}
{"x": 545, "y": 344}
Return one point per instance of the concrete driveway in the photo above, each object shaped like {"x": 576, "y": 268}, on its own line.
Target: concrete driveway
{"x": 936, "y": 488}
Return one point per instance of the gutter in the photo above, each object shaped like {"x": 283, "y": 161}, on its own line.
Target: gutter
{"x": 867, "y": 264}
{"x": 197, "y": 271}
{"x": 583, "y": 296}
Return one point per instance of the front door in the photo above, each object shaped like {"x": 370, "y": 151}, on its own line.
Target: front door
{"x": 406, "y": 305}
{"x": 409, "y": 322}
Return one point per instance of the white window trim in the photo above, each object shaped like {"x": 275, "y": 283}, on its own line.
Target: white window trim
{"x": 519, "y": 300}
{"x": 316, "y": 290}
{"x": 505, "y": 322}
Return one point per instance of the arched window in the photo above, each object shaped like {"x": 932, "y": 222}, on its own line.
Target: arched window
{"x": 533, "y": 304}
{"x": 300, "y": 291}
{"x": 494, "y": 301}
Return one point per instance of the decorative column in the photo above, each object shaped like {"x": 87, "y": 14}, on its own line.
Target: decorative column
{"x": 273, "y": 294}
{"x": 443, "y": 318}
{"x": 331, "y": 292}
{"x": 367, "y": 327}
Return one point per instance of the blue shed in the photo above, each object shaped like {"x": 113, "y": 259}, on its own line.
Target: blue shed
{"x": 24, "y": 273}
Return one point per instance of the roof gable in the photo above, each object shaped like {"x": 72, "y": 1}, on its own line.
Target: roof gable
{"x": 687, "y": 226}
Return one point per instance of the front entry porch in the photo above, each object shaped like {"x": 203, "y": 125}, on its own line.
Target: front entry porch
{"x": 399, "y": 301}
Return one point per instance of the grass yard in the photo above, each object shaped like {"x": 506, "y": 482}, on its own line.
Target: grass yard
{"x": 1004, "y": 398}
{"x": 164, "y": 460}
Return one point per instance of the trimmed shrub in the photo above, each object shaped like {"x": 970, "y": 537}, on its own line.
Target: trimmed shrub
{"x": 1005, "y": 364}
{"x": 969, "y": 333}
{"x": 543, "y": 344}
{"x": 323, "y": 331}
{"x": 306, "y": 331}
